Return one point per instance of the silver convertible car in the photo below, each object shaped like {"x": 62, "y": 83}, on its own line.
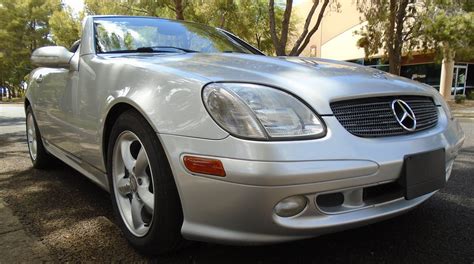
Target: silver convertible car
{"x": 199, "y": 136}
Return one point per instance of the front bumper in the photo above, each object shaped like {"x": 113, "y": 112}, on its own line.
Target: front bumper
{"x": 239, "y": 208}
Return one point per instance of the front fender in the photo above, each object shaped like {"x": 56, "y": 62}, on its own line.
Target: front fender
{"x": 177, "y": 111}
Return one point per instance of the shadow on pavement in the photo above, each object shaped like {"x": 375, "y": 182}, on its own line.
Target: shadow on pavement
{"x": 74, "y": 218}
{"x": 71, "y": 215}
{"x": 11, "y": 121}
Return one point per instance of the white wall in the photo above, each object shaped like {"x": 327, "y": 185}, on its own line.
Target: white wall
{"x": 344, "y": 46}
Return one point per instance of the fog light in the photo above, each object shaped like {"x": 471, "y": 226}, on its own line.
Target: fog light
{"x": 291, "y": 206}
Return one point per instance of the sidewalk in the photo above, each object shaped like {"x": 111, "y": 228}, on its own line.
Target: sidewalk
{"x": 465, "y": 110}
{"x": 16, "y": 245}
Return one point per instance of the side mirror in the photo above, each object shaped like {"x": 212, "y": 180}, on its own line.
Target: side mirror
{"x": 51, "y": 56}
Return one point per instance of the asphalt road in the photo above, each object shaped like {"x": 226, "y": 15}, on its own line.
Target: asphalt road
{"x": 73, "y": 218}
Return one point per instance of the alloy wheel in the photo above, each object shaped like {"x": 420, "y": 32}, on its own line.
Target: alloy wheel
{"x": 31, "y": 136}
{"x": 133, "y": 183}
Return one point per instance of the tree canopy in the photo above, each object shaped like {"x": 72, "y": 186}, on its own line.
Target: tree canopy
{"x": 391, "y": 27}
{"x": 28, "y": 24}
{"x": 398, "y": 27}
{"x": 24, "y": 26}
{"x": 65, "y": 28}
{"x": 447, "y": 28}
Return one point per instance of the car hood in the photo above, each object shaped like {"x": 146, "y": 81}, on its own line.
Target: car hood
{"x": 317, "y": 81}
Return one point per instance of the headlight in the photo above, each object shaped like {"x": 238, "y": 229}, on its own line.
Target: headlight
{"x": 260, "y": 112}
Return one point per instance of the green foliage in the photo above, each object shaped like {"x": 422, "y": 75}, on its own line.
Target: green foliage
{"x": 112, "y": 7}
{"x": 447, "y": 28}
{"x": 248, "y": 19}
{"x": 459, "y": 99}
{"x": 391, "y": 27}
{"x": 470, "y": 95}
{"x": 24, "y": 26}
{"x": 441, "y": 26}
{"x": 29, "y": 24}
{"x": 255, "y": 26}
{"x": 65, "y": 27}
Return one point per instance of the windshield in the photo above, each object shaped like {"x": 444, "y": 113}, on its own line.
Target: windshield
{"x": 140, "y": 34}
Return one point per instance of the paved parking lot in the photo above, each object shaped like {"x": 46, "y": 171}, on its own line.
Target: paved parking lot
{"x": 70, "y": 219}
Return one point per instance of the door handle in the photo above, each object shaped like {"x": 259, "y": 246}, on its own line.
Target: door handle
{"x": 40, "y": 78}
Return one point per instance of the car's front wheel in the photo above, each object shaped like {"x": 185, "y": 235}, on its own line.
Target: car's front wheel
{"x": 143, "y": 191}
{"x": 40, "y": 158}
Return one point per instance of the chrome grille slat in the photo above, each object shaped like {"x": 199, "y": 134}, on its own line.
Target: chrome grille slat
{"x": 379, "y": 117}
{"x": 425, "y": 115}
{"x": 373, "y": 117}
{"x": 422, "y": 110}
{"x": 361, "y": 105}
{"x": 416, "y": 101}
{"x": 350, "y": 112}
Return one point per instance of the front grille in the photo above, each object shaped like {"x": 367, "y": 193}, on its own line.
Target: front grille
{"x": 373, "y": 117}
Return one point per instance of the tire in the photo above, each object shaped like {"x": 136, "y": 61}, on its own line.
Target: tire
{"x": 40, "y": 158}
{"x": 151, "y": 225}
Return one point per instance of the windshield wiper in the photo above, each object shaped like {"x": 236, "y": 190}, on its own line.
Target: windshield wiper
{"x": 158, "y": 49}
{"x": 233, "y": 51}
{"x": 154, "y": 49}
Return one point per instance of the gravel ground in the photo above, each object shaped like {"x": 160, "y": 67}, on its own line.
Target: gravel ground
{"x": 73, "y": 218}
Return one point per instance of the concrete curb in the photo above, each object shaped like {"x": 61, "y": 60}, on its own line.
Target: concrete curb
{"x": 11, "y": 103}
{"x": 463, "y": 114}
{"x": 16, "y": 245}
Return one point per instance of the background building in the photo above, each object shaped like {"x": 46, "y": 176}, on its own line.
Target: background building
{"x": 336, "y": 39}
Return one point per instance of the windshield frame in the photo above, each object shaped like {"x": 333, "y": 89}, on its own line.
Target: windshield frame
{"x": 230, "y": 36}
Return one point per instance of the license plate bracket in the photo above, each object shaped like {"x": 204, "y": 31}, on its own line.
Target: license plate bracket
{"x": 423, "y": 173}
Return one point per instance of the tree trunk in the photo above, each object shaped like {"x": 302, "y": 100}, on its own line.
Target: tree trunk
{"x": 285, "y": 26}
{"x": 179, "y": 9}
{"x": 305, "y": 28}
{"x": 222, "y": 22}
{"x": 447, "y": 68}
{"x": 395, "y": 59}
{"x": 279, "y": 50}
{"x": 257, "y": 39}
{"x": 303, "y": 40}
{"x": 280, "y": 43}
{"x": 298, "y": 48}
{"x": 395, "y": 40}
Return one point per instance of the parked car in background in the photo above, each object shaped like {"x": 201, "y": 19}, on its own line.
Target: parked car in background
{"x": 197, "y": 135}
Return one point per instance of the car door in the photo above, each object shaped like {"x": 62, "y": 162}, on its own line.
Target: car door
{"x": 56, "y": 106}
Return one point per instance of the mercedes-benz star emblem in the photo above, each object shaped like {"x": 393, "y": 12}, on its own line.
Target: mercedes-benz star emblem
{"x": 404, "y": 114}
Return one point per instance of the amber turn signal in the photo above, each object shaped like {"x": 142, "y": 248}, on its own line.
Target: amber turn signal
{"x": 204, "y": 166}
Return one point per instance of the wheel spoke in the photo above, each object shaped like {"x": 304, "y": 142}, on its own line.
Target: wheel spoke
{"x": 136, "y": 209}
{"x": 147, "y": 197}
{"x": 133, "y": 180}
{"x": 141, "y": 163}
{"x": 127, "y": 157}
{"x": 33, "y": 146}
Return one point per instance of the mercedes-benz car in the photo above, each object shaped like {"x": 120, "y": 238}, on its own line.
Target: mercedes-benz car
{"x": 197, "y": 135}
